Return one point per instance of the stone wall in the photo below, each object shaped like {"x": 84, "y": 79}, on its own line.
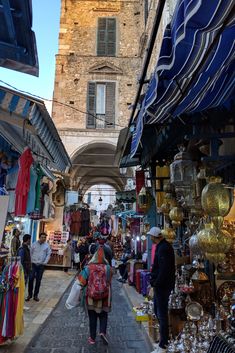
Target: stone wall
{"x": 77, "y": 63}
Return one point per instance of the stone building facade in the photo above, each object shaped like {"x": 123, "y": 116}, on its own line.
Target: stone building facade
{"x": 97, "y": 70}
{"x": 102, "y": 45}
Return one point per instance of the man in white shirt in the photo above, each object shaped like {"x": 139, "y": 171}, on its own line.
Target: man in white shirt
{"x": 40, "y": 255}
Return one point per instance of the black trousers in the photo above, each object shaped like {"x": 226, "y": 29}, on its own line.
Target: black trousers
{"x": 123, "y": 270}
{"x": 161, "y": 297}
{"x": 93, "y": 316}
{"x": 36, "y": 273}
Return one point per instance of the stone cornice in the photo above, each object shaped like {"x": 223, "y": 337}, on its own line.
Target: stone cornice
{"x": 91, "y": 133}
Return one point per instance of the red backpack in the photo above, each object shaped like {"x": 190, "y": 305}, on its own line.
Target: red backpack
{"x": 98, "y": 286}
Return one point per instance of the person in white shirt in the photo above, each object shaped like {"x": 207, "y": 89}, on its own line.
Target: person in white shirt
{"x": 40, "y": 255}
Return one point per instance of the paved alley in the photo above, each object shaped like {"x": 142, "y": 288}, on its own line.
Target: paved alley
{"x": 67, "y": 331}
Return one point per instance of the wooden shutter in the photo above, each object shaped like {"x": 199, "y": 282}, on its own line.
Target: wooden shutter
{"x": 110, "y": 105}
{"x": 106, "y": 37}
{"x": 101, "y": 37}
{"x": 111, "y": 37}
{"x": 91, "y": 98}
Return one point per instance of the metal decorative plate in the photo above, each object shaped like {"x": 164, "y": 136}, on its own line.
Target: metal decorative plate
{"x": 228, "y": 287}
{"x": 194, "y": 311}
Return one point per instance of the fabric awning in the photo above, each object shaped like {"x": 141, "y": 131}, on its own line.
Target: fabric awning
{"x": 195, "y": 69}
{"x": 25, "y": 121}
{"x": 17, "y": 40}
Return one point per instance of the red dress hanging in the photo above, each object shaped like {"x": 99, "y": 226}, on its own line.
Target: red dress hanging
{"x": 23, "y": 182}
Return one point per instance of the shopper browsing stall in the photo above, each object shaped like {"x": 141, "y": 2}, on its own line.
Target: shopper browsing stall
{"x": 40, "y": 255}
{"x": 15, "y": 243}
{"x": 163, "y": 282}
{"x": 24, "y": 253}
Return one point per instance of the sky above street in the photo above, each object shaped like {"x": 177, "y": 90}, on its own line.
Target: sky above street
{"x": 46, "y": 18}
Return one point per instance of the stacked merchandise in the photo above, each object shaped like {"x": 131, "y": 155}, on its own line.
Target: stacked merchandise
{"x": 12, "y": 289}
{"x": 57, "y": 241}
{"x": 117, "y": 249}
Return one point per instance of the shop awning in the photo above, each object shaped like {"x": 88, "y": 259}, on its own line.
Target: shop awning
{"x": 196, "y": 65}
{"x": 24, "y": 121}
{"x": 17, "y": 40}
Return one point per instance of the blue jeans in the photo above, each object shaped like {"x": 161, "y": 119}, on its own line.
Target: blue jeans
{"x": 36, "y": 273}
{"x": 161, "y": 297}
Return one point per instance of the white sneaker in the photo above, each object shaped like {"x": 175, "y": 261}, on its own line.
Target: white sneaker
{"x": 161, "y": 350}
{"x": 155, "y": 350}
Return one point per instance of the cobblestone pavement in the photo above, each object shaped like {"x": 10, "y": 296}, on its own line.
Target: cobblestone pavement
{"x": 66, "y": 331}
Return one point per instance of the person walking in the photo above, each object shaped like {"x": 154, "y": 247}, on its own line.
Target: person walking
{"x": 40, "y": 255}
{"x": 95, "y": 279}
{"x": 100, "y": 241}
{"x": 24, "y": 253}
{"x": 83, "y": 250}
{"x": 67, "y": 255}
{"x": 163, "y": 282}
{"x": 15, "y": 243}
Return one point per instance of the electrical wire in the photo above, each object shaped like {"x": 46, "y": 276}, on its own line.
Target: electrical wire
{"x": 55, "y": 101}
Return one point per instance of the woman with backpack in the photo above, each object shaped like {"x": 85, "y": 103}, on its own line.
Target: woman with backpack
{"x": 95, "y": 279}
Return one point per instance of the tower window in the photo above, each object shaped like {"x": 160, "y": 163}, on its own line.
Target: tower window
{"x": 106, "y": 36}
{"x": 101, "y": 105}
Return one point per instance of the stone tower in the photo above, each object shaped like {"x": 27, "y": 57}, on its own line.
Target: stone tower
{"x": 97, "y": 69}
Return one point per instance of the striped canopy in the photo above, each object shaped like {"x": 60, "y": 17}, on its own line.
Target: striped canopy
{"x": 25, "y": 121}
{"x": 195, "y": 69}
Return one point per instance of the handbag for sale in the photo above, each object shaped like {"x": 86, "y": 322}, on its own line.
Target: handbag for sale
{"x": 73, "y": 299}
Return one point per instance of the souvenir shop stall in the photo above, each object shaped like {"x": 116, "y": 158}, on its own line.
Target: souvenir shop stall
{"x": 185, "y": 125}
{"x": 30, "y": 148}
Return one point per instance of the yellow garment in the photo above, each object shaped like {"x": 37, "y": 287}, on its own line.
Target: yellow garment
{"x": 19, "y": 320}
{"x": 160, "y": 173}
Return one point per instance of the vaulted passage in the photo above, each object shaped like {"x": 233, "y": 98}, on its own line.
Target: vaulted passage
{"x": 93, "y": 164}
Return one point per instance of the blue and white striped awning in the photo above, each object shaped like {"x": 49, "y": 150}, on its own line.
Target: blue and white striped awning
{"x": 25, "y": 121}
{"x": 18, "y": 49}
{"x": 195, "y": 69}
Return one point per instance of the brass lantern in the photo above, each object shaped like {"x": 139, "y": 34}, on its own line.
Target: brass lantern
{"x": 214, "y": 241}
{"x": 216, "y": 199}
{"x": 176, "y": 214}
{"x": 169, "y": 234}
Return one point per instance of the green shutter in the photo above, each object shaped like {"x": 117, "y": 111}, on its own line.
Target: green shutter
{"x": 111, "y": 37}
{"x": 110, "y": 105}
{"x": 91, "y": 98}
{"x": 101, "y": 37}
{"x": 106, "y": 37}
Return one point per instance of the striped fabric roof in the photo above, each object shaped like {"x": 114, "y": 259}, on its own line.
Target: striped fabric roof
{"x": 25, "y": 121}
{"x": 195, "y": 69}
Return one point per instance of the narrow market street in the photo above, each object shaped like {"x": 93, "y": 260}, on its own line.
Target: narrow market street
{"x": 67, "y": 331}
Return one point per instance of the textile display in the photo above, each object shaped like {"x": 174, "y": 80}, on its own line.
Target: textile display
{"x": 32, "y": 190}
{"x": 3, "y": 214}
{"x": 23, "y": 182}
{"x": 12, "y": 290}
{"x": 77, "y": 221}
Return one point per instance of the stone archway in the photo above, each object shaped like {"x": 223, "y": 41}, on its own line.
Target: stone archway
{"x": 94, "y": 164}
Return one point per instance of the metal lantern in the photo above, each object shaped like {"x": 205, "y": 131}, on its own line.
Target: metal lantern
{"x": 216, "y": 199}
{"x": 183, "y": 170}
{"x": 144, "y": 199}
